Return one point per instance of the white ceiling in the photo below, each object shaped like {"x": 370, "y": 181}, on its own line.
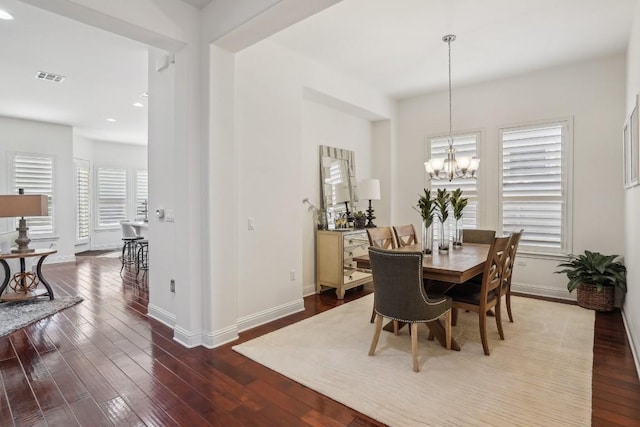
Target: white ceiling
{"x": 393, "y": 45}
{"x": 198, "y": 3}
{"x": 396, "y": 45}
{"x": 105, "y": 74}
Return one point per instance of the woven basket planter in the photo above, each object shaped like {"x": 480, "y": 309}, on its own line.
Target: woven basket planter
{"x": 589, "y": 297}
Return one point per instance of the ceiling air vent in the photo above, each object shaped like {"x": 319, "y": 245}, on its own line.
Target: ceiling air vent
{"x": 43, "y": 75}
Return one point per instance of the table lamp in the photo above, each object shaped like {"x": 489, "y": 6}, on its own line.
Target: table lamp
{"x": 369, "y": 189}
{"x": 21, "y": 205}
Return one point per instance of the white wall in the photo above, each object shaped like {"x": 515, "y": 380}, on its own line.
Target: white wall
{"x": 272, "y": 170}
{"x": 323, "y": 125}
{"x": 27, "y": 136}
{"x": 591, "y": 92}
{"x": 631, "y": 307}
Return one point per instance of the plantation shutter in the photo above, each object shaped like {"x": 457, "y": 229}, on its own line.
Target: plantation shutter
{"x": 112, "y": 197}
{"x": 142, "y": 192}
{"x": 82, "y": 201}
{"x": 34, "y": 174}
{"x": 534, "y": 194}
{"x": 466, "y": 146}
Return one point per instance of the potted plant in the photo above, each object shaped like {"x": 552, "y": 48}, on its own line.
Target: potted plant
{"x": 442, "y": 201}
{"x": 458, "y": 203}
{"x": 359, "y": 219}
{"x": 595, "y": 276}
{"x": 426, "y": 208}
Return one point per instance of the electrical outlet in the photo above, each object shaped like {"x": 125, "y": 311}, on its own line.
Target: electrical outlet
{"x": 251, "y": 223}
{"x": 172, "y": 285}
{"x": 292, "y": 275}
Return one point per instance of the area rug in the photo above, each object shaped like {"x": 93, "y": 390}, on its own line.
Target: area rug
{"x": 540, "y": 375}
{"x": 16, "y": 315}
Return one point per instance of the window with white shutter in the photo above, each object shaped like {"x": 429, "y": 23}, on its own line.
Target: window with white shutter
{"x": 535, "y": 190}
{"x": 466, "y": 145}
{"x": 142, "y": 192}
{"x": 82, "y": 200}
{"x": 34, "y": 174}
{"x": 112, "y": 197}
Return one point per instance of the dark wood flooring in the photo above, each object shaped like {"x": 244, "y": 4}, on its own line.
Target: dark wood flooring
{"x": 103, "y": 362}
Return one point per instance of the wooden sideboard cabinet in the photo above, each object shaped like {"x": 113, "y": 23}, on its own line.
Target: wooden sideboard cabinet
{"x": 335, "y": 268}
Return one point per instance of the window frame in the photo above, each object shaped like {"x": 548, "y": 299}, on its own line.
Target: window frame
{"x": 136, "y": 192}
{"x": 566, "y": 234}
{"x": 13, "y": 189}
{"x": 97, "y": 217}
{"x": 84, "y": 164}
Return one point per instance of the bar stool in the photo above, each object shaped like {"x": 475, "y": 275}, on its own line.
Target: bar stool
{"x": 129, "y": 239}
{"x": 142, "y": 256}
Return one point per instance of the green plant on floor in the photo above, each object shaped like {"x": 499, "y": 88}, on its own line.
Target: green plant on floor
{"x": 593, "y": 268}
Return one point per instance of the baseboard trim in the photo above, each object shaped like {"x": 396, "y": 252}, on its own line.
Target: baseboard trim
{"x": 266, "y": 316}
{"x": 220, "y": 337}
{"x": 106, "y": 246}
{"x": 161, "y": 315}
{"x": 187, "y": 338}
{"x": 543, "y": 291}
{"x": 308, "y": 290}
{"x": 628, "y": 327}
{"x": 60, "y": 259}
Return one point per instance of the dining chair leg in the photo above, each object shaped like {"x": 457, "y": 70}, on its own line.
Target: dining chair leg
{"x": 431, "y": 336}
{"x": 395, "y": 328}
{"x": 509, "y": 305}
{"x": 373, "y": 310}
{"x": 447, "y": 328}
{"x": 414, "y": 346}
{"x": 454, "y": 316}
{"x": 483, "y": 332}
{"x": 499, "y": 320}
{"x": 123, "y": 260}
{"x": 376, "y": 335}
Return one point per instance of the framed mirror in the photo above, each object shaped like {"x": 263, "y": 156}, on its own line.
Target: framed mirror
{"x": 337, "y": 181}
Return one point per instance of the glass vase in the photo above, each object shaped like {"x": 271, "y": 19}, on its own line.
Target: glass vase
{"x": 457, "y": 232}
{"x": 427, "y": 238}
{"x": 443, "y": 238}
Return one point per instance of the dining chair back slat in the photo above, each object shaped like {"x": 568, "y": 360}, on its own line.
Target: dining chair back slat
{"x": 405, "y": 235}
{"x": 381, "y": 237}
{"x": 470, "y": 235}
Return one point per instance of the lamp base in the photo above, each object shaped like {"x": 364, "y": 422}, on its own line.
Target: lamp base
{"x": 370, "y": 217}
{"x": 22, "y": 240}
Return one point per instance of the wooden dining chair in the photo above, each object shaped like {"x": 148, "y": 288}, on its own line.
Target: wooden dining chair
{"x": 397, "y": 282}
{"x": 471, "y": 235}
{"x": 481, "y": 299}
{"x": 507, "y": 272}
{"x": 405, "y": 235}
{"x": 381, "y": 237}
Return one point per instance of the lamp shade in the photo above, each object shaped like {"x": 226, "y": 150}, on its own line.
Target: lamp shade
{"x": 342, "y": 193}
{"x": 369, "y": 189}
{"x": 15, "y": 205}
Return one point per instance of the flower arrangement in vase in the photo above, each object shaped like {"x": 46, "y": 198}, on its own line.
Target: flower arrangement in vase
{"x": 426, "y": 208}
{"x": 442, "y": 202}
{"x": 458, "y": 203}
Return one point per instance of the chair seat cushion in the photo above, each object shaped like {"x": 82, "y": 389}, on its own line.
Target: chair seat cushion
{"x": 468, "y": 293}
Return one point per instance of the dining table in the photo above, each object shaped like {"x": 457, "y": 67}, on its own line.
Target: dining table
{"x": 455, "y": 266}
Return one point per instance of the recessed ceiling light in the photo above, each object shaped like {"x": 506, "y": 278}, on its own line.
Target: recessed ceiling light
{"x": 111, "y": 120}
{"x": 138, "y": 104}
{"x": 4, "y": 15}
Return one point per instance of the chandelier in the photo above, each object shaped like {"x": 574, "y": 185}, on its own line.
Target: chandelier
{"x": 449, "y": 168}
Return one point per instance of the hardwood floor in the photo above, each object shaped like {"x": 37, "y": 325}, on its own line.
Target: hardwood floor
{"x": 103, "y": 362}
